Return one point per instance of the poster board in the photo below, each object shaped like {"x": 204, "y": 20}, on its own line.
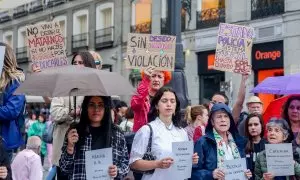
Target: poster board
{"x": 144, "y": 50}
{"x": 234, "y": 46}
{"x": 46, "y": 45}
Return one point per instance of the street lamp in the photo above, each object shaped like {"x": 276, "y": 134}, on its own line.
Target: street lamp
{"x": 178, "y": 82}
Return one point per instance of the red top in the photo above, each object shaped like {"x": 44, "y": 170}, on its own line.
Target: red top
{"x": 140, "y": 104}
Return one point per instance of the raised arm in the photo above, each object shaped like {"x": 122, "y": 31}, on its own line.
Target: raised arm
{"x": 238, "y": 106}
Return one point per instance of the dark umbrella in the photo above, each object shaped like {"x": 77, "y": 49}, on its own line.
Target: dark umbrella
{"x": 75, "y": 81}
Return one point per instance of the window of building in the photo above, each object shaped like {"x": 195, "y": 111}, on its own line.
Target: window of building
{"x": 210, "y": 13}
{"x": 80, "y": 22}
{"x": 8, "y": 38}
{"x": 105, "y": 16}
{"x": 266, "y": 8}
{"x": 141, "y": 16}
{"x": 22, "y": 37}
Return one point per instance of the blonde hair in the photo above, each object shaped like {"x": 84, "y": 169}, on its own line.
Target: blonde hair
{"x": 10, "y": 71}
{"x": 187, "y": 115}
{"x": 196, "y": 111}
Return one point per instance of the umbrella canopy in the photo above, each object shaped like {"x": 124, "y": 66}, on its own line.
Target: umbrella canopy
{"x": 75, "y": 81}
{"x": 288, "y": 84}
{"x": 274, "y": 109}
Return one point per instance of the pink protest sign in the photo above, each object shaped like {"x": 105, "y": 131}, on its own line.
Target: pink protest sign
{"x": 46, "y": 45}
{"x": 144, "y": 50}
{"x": 233, "y": 52}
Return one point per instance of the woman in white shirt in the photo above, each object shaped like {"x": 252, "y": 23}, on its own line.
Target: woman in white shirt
{"x": 164, "y": 119}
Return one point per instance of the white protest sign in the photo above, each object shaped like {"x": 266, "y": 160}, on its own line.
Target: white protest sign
{"x": 280, "y": 160}
{"x": 183, "y": 158}
{"x": 234, "y": 46}
{"x": 97, "y": 163}
{"x": 235, "y": 169}
{"x": 144, "y": 50}
{"x": 46, "y": 45}
{"x": 2, "y": 54}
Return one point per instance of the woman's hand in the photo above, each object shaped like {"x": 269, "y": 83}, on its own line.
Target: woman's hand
{"x": 113, "y": 171}
{"x": 268, "y": 176}
{"x": 165, "y": 163}
{"x": 195, "y": 158}
{"x": 72, "y": 140}
{"x": 248, "y": 174}
{"x": 3, "y": 172}
{"x": 149, "y": 70}
{"x": 35, "y": 68}
{"x": 218, "y": 174}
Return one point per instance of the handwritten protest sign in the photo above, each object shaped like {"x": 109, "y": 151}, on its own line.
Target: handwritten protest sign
{"x": 234, "y": 45}
{"x": 97, "y": 163}
{"x": 235, "y": 169}
{"x": 182, "y": 154}
{"x": 280, "y": 159}
{"x": 2, "y": 54}
{"x": 46, "y": 45}
{"x": 144, "y": 50}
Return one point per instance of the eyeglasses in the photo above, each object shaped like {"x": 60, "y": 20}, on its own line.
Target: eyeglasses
{"x": 96, "y": 106}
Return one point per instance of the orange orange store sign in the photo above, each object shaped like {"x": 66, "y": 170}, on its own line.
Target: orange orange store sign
{"x": 259, "y": 55}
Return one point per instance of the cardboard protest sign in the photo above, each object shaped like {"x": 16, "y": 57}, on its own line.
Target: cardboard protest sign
{"x": 97, "y": 163}
{"x": 2, "y": 54}
{"x": 144, "y": 50}
{"x": 280, "y": 161}
{"x": 46, "y": 45}
{"x": 235, "y": 169}
{"x": 234, "y": 45}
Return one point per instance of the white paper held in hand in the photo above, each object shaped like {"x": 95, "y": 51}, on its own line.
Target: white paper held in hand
{"x": 97, "y": 163}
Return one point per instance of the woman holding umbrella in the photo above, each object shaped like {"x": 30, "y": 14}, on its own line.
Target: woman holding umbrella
{"x": 94, "y": 131}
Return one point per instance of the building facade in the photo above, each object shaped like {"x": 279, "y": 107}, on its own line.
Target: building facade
{"x": 275, "y": 49}
{"x": 103, "y": 26}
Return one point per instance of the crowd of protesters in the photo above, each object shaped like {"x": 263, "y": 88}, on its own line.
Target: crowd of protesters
{"x": 140, "y": 134}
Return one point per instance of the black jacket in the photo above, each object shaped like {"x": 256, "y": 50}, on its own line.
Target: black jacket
{"x": 4, "y": 160}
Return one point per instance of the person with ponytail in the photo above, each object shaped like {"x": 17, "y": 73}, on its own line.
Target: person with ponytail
{"x": 254, "y": 131}
{"x": 11, "y": 106}
{"x": 94, "y": 131}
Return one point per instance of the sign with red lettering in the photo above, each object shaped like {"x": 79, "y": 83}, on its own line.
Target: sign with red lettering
{"x": 46, "y": 45}
{"x": 144, "y": 50}
{"x": 272, "y": 55}
{"x": 234, "y": 45}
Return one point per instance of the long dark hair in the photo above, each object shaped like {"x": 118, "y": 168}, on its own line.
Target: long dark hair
{"x": 153, "y": 113}
{"x": 285, "y": 114}
{"x": 88, "y": 59}
{"x": 249, "y": 147}
{"x": 106, "y": 122}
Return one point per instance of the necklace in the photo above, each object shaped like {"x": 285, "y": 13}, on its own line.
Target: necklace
{"x": 169, "y": 127}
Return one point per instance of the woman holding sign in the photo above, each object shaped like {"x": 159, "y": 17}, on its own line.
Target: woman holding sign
{"x": 94, "y": 131}
{"x": 163, "y": 129}
{"x": 220, "y": 143}
{"x": 277, "y": 133}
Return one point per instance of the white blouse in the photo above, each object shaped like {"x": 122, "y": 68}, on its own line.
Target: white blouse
{"x": 162, "y": 139}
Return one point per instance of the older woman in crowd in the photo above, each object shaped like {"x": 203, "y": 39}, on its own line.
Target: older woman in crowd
{"x": 220, "y": 143}
{"x": 163, "y": 129}
{"x": 277, "y": 133}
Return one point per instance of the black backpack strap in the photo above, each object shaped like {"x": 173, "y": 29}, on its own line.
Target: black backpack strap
{"x": 149, "y": 147}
